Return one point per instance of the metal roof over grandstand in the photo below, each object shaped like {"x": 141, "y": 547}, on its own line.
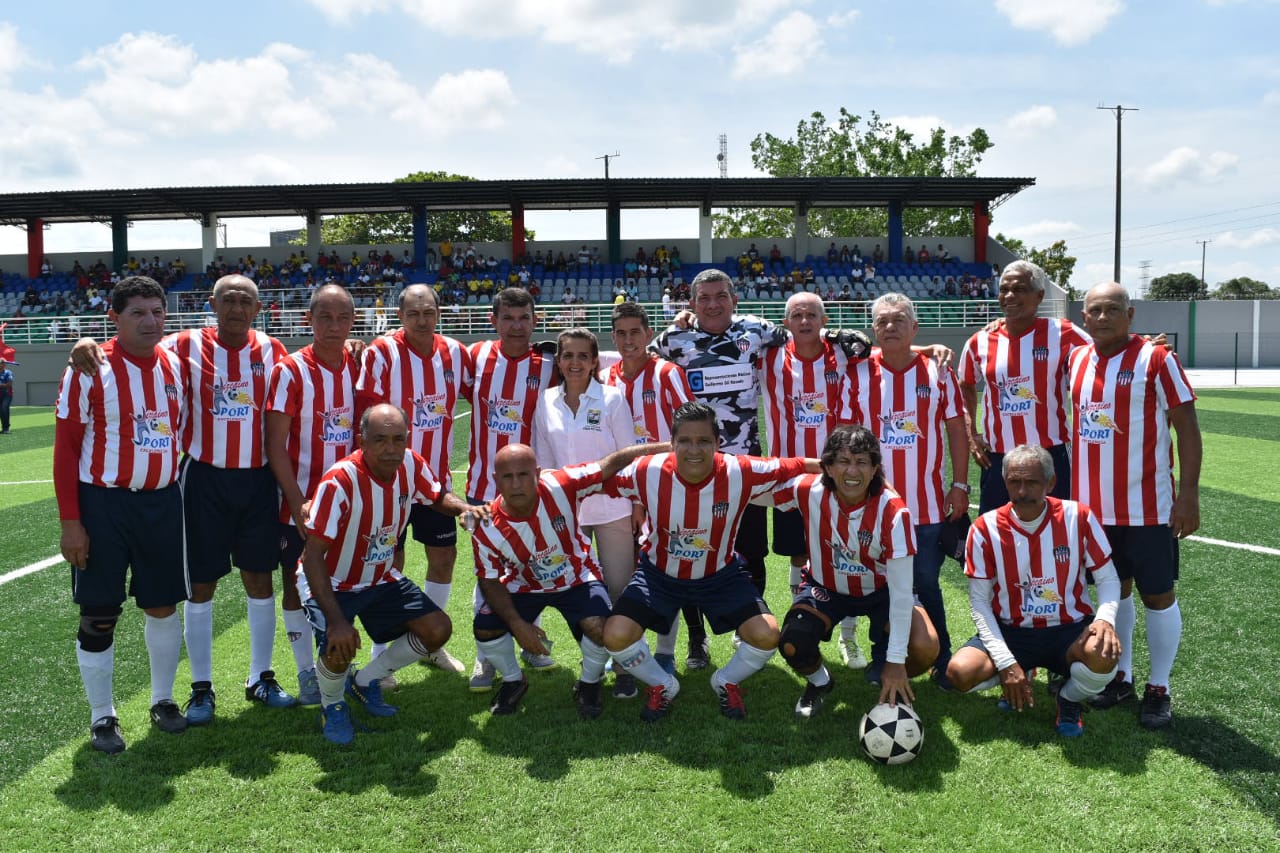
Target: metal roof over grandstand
{"x": 328, "y": 199}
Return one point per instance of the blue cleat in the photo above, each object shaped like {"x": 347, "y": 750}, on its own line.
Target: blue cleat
{"x": 370, "y": 696}
{"x": 1069, "y": 722}
{"x": 336, "y": 724}
{"x": 267, "y": 691}
{"x": 667, "y": 662}
{"x": 201, "y": 704}
{"x": 308, "y": 688}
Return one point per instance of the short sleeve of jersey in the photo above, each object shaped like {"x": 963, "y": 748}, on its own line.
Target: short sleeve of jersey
{"x": 1097, "y": 547}
{"x": 329, "y": 509}
{"x": 767, "y": 473}
{"x": 623, "y": 483}
{"x": 978, "y": 559}
{"x": 281, "y": 392}
{"x": 73, "y": 396}
{"x": 1171, "y": 380}
{"x": 952, "y": 406}
{"x": 373, "y": 366}
{"x": 577, "y": 481}
{"x": 898, "y": 533}
{"x": 969, "y": 361}
{"x": 426, "y": 486}
{"x": 488, "y": 562}
{"x": 786, "y": 496}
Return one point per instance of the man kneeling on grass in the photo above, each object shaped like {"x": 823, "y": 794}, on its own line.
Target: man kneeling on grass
{"x": 532, "y": 555}
{"x": 1027, "y": 563}
{"x": 359, "y": 513}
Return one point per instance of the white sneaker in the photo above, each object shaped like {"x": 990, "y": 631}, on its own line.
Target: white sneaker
{"x": 851, "y": 654}
{"x": 482, "y": 675}
{"x": 442, "y": 660}
{"x": 538, "y": 662}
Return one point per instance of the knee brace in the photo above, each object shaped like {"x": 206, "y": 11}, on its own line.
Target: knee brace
{"x": 802, "y": 631}
{"x": 98, "y": 627}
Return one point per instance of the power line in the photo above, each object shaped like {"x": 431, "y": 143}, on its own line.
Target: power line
{"x": 1177, "y": 233}
{"x": 1184, "y": 219}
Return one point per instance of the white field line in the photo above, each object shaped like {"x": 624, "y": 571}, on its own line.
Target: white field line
{"x": 31, "y": 569}
{"x": 25, "y": 482}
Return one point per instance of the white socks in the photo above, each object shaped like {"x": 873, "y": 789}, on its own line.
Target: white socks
{"x": 1084, "y": 683}
{"x": 637, "y": 660}
{"x": 401, "y": 652}
{"x": 667, "y": 641}
{"x": 501, "y": 652}
{"x": 1164, "y": 634}
{"x": 164, "y": 646}
{"x": 301, "y": 639}
{"x": 96, "y": 670}
{"x": 593, "y": 660}
{"x": 747, "y": 660}
{"x": 198, "y": 629}
{"x": 332, "y": 684}
{"x": 438, "y": 593}
{"x": 848, "y": 625}
{"x": 262, "y": 636}
{"x": 819, "y": 678}
{"x": 1126, "y": 618}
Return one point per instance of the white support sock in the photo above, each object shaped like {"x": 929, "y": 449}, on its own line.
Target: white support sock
{"x": 993, "y": 681}
{"x": 797, "y": 576}
{"x": 637, "y": 660}
{"x": 747, "y": 660}
{"x": 1126, "y": 618}
{"x": 501, "y": 652}
{"x": 1164, "y": 634}
{"x": 438, "y": 593}
{"x": 164, "y": 647}
{"x": 401, "y": 652}
{"x": 301, "y": 639}
{"x": 197, "y": 626}
{"x": 262, "y": 636}
{"x": 667, "y": 641}
{"x": 96, "y": 671}
{"x": 1084, "y": 683}
{"x": 332, "y": 684}
{"x": 376, "y": 650}
{"x": 819, "y": 678}
{"x": 593, "y": 660}
{"x": 848, "y": 625}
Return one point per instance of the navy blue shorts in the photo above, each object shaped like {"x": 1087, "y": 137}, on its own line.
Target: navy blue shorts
{"x": 1147, "y": 554}
{"x": 1040, "y": 647}
{"x": 836, "y": 606}
{"x": 653, "y": 599}
{"x": 431, "y": 528}
{"x": 752, "y": 542}
{"x": 135, "y": 548}
{"x": 789, "y": 537}
{"x": 291, "y": 546}
{"x": 384, "y": 610}
{"x": 575, "y": 604}
{"x": 995, "y": 495}
{"x": 232, "y": 517}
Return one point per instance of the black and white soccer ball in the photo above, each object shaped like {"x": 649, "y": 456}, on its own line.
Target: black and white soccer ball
{"x": 891, "y": 735}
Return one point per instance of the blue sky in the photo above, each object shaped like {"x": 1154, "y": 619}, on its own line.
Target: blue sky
{"x": 163, "y": 94}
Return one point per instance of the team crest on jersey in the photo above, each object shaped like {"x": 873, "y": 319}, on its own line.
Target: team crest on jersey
{"x": 336, "y": 426}
{"x": 429, "y": 412}
{"x": 448, "y": 375}
{"x": 846, "y": 561}
{"x": 593, "y": 419}
{"x": 380, "y": 545}
{"x": 1040, "y": 597}
{"x": 546, "y": 566}
{"x": 151, "y": 431}
{"x": 559, "y": 525}
{"x": 720, "y": 509}
{"x": 648, "y": 397}
{"x": 899, "y": 429}
{"x": 743, "y": 345}
{"x": 923, "y": 392}
{"x": 403, "y": 500}
{"x": 533, "y": 383}
{"x": 831, "y": 377}
{"x": 1016, "y": 396}
{"x": 1098, "y": 423}
{"x": 232, "y": 400}
{"x": 1124, "y": 377}
{"x": 171, "y": 390}
{"x": 810, "y": 409}
{"x": 864, "y": 538}
{"x": 1040, "y": 353}
{"x": 504, "y": 416}
{"x": 1061, "y": 553}
{"x": 688, "y": 543}
{"x": 257, "y": 368}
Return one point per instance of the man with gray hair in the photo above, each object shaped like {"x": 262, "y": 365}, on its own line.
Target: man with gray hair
{"x": 1028, "y": 563}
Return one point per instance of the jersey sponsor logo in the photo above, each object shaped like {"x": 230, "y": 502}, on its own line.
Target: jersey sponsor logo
{"x": 899, "y": 429}
{"x": 335, "y": 426}
{"x": 429, "y": 411}
{"x": 1040, "y": 353}
{"x": 549, "y": 565}
{"x": 1098, "y": 423}
{"x": 688, "y": 543}
{"x": 1016, "y": 396}
{"x": 151, "y": 431}
{"x": 810, "y": 410}
{"x": 232, "y": 401}
{"x": 1040, "y": 597}
{"x": 504, "y": 416}
{"x": 641, "y": 433}
{"x": 847, "y": 562}
{"x": 380, "y": 545}
{"x": 722, "y": 379}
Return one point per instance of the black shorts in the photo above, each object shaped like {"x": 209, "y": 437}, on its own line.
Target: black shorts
{"x": 431, "y": 528}
{"x": 789, "y": 537}
{"x": 1147, "y": 554}
{"x": 383, "y": 609}
{"x": 995, "y": 495}
{"x": 576, "y": 603}
{"x": 232, "y": 516}
{"x": 837, "y": 606}
{"x": 135, "y": 535}
{"x": 752, "y": 542}
{"x": 291, "y": 545}
{"x": 728, "y": 598}
{"x": 1040, "y": 647}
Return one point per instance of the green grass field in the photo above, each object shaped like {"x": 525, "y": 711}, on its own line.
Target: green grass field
{"x": 445, "y": 775}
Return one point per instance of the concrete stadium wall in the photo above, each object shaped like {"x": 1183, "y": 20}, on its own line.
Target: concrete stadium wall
{"x": 1224, "y": 331}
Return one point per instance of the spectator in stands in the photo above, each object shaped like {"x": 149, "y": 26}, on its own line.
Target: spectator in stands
{"x": 856, "y": 274}
{"x": 877, "y": 255}
{"x": 31, "y": 298}
{"x": 845, "y": 255}
{"x": 923, "y": 255}
{"x": 567, "y": 298}
{"x": 809, "y": 277}
{"x": 641, "y": 257}
{"x": 845, "y": 295}
{"x": 833, "y": 254}
{"x": 561, "y": 262}
{"x": 775, "y": 257}
{"x": 675, "y": 257}
{"x": 584, "y": 258}
{"x": 943, "y": 255}
{"x": 831, "y": 293}
{"x": 744, "y": 265}
{"x": 668, "y": 309}
{"x": 868, "y": 272}
{"x": 595, "y": 256}
{"x": 908, "y": 256}
{"x": 856, "y": 257}
{"x": 46, "y": 268}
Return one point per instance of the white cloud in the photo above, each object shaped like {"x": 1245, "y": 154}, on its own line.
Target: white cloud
{"x": 12, "y": 55}
{"x": 1045, "y": 232}
{"x": 1035, "y": 118}
{"x": 253, "y": 169}
{"x": 1271, "y": 99}
{"x": 842, "y": 19}
{"x": 1252, "y": 240}
{"x": 1070, "y": 22}
{"x": 921, "y": 126}
{"x": 789, "y": 45}
{"x": 1188, "y": 164}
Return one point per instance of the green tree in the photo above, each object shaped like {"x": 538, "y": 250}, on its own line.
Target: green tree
{"x": 479, "y": 226}
{"x": 850, "y": 148}
{"x": 1055, "y": 261}
{"x": 1244, "y": 288}
{"x": 1178, "y": 286}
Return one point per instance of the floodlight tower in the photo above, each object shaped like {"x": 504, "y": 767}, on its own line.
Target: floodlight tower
{"x": 723, "y": 157}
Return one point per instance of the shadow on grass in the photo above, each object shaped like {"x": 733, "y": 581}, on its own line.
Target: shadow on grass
{"x": 1247, "y": 767}
{"x": 389, "y": 753}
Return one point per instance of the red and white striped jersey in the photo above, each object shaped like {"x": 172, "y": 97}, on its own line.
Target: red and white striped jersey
{"x": 132, "y": 411}
{"x": 228, "y": 391}
{"x": 544, "y": 551}
{"x": 362, "y": 517}
{"x": 321, "y": 403}
{"x": 1121, "y": 450}
{"x": 692, "y": 527}
{"x": 425, "y": 385}
{"x": 907, "y": 411}
{"x": 1039, "y": 576}
{"x": 801, "y": 398}
{"x": 653, "y": 394}
{"x": 504, "y": 394}
{"x": 1024, "y": 401}
{"x": 849, "y": 547}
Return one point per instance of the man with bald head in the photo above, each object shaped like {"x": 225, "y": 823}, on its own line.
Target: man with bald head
{"x": 423, "y": 373}
{"x": 1125, "y": 393}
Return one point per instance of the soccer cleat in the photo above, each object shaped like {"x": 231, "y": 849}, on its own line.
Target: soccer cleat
{"x": 1069, "y": 722}
{"x": 624, "y": 686}
{"x": 1155, "y": 711}
{"x": 268, "y": 691}
{"x": 730, "y": 700}
{"x": 666, "y": 661}
{"x": 104, "y": 736}
{"x": 370, "y": 696}
{"x": 1055, "y": 683}
{"x": 482, "y": 675}
{"x": 812, "y": 699}
{"x": 541, "y": 663}
{"x": 873, "y": 671}
{"x": 335, "y": 723}
{"x": 167, "y": 717}
{"x": 851, "y": 654}
{"x": 509, "y": 696}
{"x": 587, "y": 696}
{"x": 201, "y": 704}
{"x": 1115, "y": 693}
{"x": 939, "y": 676}
{"x": 442, "y": 660}
{"x": 699, "y": 654}
{"x": 657, "y": 703}
{"x": 308, "y": 688}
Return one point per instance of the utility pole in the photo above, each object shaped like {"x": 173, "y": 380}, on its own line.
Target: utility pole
{"x": 606, "y": 158}
{"x": 1119, "y": 111}
{"x": 1203, "y": 244}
